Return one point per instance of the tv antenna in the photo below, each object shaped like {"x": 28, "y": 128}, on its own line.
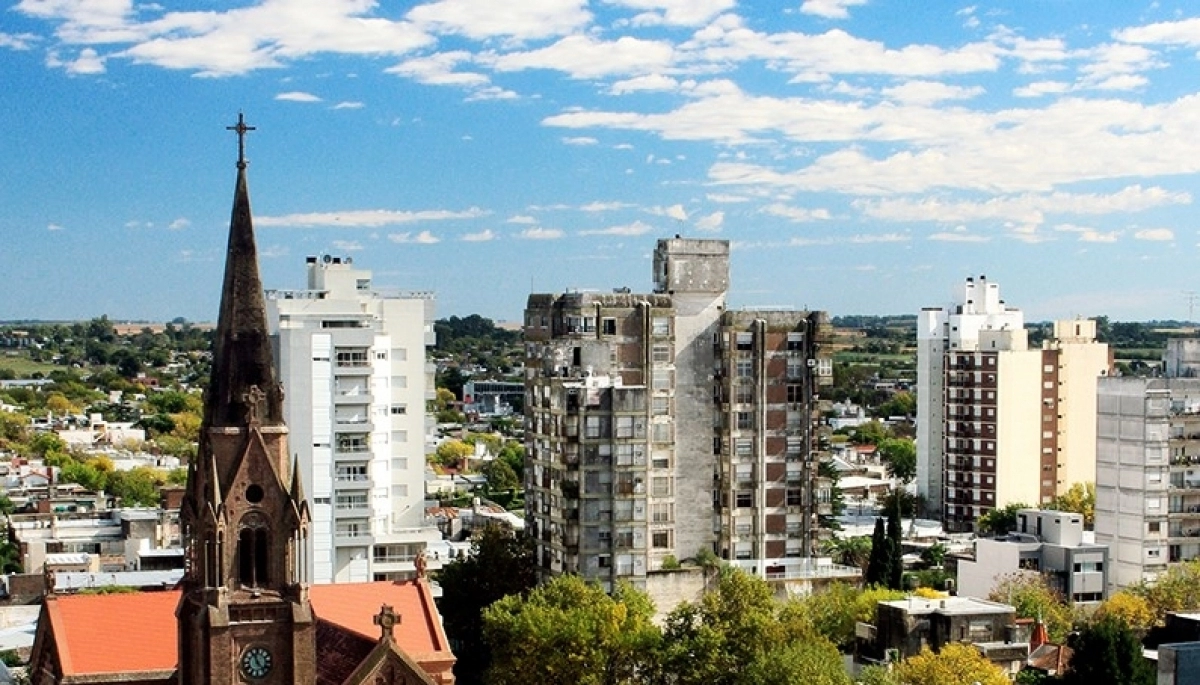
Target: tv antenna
{"x": 1192, "y": 298}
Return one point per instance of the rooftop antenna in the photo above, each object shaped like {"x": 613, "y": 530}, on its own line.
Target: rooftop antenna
{"x": 1191, "y": 297}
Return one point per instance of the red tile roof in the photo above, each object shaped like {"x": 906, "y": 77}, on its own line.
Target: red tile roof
{"x": 115, "y": 633}
{"x": 121, "y": 633}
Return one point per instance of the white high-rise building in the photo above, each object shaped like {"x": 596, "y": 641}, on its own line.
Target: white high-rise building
{"x": 999, "y": 422}
{"x": 352, "y": 363}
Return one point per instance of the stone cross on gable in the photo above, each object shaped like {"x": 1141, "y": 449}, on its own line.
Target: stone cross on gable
{"x": 253, "y": 399}
{"x": 386, "y": 619}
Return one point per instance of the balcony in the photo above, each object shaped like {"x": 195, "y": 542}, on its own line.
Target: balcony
{"x": 355, "y": 481}
{"x": 352, "y": 509}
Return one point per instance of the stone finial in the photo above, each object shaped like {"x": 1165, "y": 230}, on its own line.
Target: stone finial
{"x": 386, "y": 619}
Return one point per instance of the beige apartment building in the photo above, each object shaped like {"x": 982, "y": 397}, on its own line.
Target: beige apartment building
{"x": 1000, "y": 422}
{"x": 662, "y": 424}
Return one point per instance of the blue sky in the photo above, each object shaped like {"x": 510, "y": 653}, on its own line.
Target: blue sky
{"x": 863, "y": 156}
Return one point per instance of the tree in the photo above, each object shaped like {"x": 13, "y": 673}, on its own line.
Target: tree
{"x": 934, "y": 555}
{"x": 900, "y": 404}
{"x": 500, "y": 564}
{"x": 513, "y": 452}
{"x": 452, "y": 453}
{"x": 500, "y": 475}
{"x": 869, "y": 433}
{"x": 812, "y": 662}
{"x": 1176, "y": 590}
{"x": 570, "y": 631}
{"x": 1080, "y": 498}
{"x": 900, "y": 454}
{"x": 851, "y": 551}
{"x": 1107, "y": 652}
{"x": 46, "y": 444}
{"x": 1031, "y": 595}
{"x": 895, "y": 579}
{"x": 137, "y": 487}
{"x": 1000, "y": 521}
{"x": 880, "y": 564}
{"x": 834, "y": 611}
{"x": 955, "y": 664}
{"x": 1130, "y": 608}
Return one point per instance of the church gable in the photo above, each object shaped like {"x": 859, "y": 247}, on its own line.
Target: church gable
{"x": 387, "y": 664}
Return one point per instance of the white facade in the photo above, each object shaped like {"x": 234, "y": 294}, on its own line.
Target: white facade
{"x": 352, "y": 363}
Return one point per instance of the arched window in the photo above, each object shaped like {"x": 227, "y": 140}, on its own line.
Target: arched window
{"x": 253, "y": 552}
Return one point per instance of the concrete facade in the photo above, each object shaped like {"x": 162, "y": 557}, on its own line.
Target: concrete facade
{"x": 1048, "y": 543}
{"x": 351, "y": 359}
{"x": 659, "y": 425}
{"x": 997, "y": 421}
{"x": 1148, "y": 475}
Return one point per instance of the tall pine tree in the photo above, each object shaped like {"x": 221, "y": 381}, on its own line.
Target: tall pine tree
{"x": 895, "y": 567}
{"x": 878, "y": 568}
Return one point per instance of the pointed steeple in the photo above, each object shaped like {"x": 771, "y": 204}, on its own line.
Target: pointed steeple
{"x": 242, "y": 386}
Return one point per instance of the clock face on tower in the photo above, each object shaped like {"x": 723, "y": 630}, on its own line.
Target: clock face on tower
{"x": 256, "y": 662}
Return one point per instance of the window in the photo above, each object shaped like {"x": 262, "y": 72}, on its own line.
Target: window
{"x": 660, "y": 486}
{"x": 381, "y": 356}
{"x": 745, "y": 420}
{"x": 624, "y": 427}
{"x": 745, "y": 341}
{"x": 661, "y": 460}
{"x": 608, "y": 326}
{"x": 1153, "y": 527}
{"x": 352, "y": 358}
{"x": 744, "y": 447}
{"x": 795, "y": 368}
{"x": 662, "y": 432}
{"x": 745, "y": 498}
{"x": 745, "y": 368}
{"x": 744, "y": 394}
{"x": 795, "y": 341}
{"x": 661, "y": 379}
{"x": 661, "y": 406}
{"x": 660, "y": 354}
{"x": 795, "y": 393}
{"x": 399, "y": 409}
{"x": 795, "y": 497}
{"x": 662, "y": 512}
{"x": 661, "y": 539}
{"x": 660, "y": 325}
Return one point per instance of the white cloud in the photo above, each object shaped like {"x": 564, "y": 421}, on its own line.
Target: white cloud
{"x": 711, "y": 223}
{"x": 1155, "y": 234}
{"x": 521, "y": 219}
{"x": 676, "y": 212}
{"x": 297, "y": 96}
{"x": 958, "y": 237}
{"x": 584, "y": 57}
{"x": 929, "y": 92}
{"x": 598, "y": 206}
{"x": 18, "y": 41}
{"x": 439, "y": 70}
{"x": 1040, "y": 88}
{"x": 647, "y": 83}
{"x": 422, "y": 238}
{"x": 1027, "y": 208}
{"x": 580, "y": 141}
{"x": 480, "y": 237}
{"x": 347, "y": 245}
{"x": 539, "y": 233}
{"x": 674, "y": 12}
{"x": 54, "y": 227}
{"x": 830, "y": 9}
{"x": 349, "y": 105}
{"x": 633, "y": 229}
{"x": 1184, "y": 32}
{"x": 179, "y": 224}
{"x": 88, "y": 62}
{"x": 797, "y": 214}
{"x": 1089, "y": 235}
{"x": 482, "y": 19}
{"x": 367, "y": 217}
{"x": 726, "y": 198}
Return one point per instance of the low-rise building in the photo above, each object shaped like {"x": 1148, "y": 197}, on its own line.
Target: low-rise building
{"x": 1050, "y": 543}
{"x": 906, "y": 626}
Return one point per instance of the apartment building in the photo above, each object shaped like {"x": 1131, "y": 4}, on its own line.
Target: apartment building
{"x": 1148, "y": 469}
{"x": 998, "y": 421}
{"x": 351, "y": 358}
{"x": 662, "y": 424}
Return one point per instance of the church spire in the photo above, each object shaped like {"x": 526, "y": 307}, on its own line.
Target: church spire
{"x": 243, "y": 382}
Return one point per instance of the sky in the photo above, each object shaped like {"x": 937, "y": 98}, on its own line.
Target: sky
{"x": 861, "y": 156}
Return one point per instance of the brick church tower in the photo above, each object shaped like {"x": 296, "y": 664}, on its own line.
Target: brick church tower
{"x": 244, "y": 615}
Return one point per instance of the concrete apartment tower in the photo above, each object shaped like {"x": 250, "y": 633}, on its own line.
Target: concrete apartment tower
{"x": 999, "y": 422}
{"x": 661, "y": 424}
{"x": 351, "y": 359}
{"x": 1148, "y": 468}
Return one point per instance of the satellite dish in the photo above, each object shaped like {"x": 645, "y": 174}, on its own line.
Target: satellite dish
{"x": 327, "y": 259}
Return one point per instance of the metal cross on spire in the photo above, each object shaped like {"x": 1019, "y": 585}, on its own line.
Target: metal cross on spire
{"x": 241, "y": 128}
